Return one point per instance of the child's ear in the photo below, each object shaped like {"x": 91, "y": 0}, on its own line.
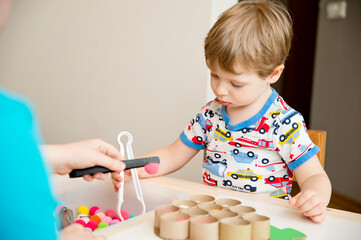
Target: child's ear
{"x": 275, "y": 75}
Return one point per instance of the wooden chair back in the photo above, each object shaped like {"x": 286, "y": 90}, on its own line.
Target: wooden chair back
{"x": 318, "y": 137}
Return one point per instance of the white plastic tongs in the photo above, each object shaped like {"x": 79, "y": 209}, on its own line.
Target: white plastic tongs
{"x": 134, "y": 172}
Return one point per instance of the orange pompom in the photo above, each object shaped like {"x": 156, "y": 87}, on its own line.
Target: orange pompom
{"x": 95, "y": 218}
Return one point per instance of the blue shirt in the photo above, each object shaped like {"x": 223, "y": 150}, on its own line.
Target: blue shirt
{"x": 26, "y": 202}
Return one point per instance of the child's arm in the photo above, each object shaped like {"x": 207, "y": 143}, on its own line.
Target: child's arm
{"x": 315, "y": 190}
{"x": 172, "y": 158}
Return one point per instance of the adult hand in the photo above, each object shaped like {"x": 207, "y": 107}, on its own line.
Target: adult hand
{"x": 79, "y": 155}
{"x": 76, "y": 232}
{"x": 310, "y": 204}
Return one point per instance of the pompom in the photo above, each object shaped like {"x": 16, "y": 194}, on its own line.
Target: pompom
{"x": 83, "y": 210}
{"x": 93, "y": 209}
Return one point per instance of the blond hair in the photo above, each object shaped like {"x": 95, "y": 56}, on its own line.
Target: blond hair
{"x": 256, "y": 34}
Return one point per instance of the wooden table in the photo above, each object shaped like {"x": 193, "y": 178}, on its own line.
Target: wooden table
{"x": 339, "y": 224}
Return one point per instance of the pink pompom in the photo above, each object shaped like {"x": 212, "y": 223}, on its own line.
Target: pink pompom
{"x": 114, "y": 221}
{"x": 107, "y": 219}
{"x": 98, "y": 211}
{"x": 125, "y": 214}
{"x": 101, "y": 215}
{"x": 93, "y": 209}
{"x": 92, "y": 224}
{"x": 80, "y": 221}
{"x": 151, "y": 168}
{"x": 111, "y": 213}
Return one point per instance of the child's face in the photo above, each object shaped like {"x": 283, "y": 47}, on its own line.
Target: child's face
{"x": 238, "y": 90}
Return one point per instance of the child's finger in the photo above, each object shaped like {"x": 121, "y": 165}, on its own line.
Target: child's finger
{"x": 99, "y": 176}
{"x": 319, "y": 218}
{"x": 294, "y": 199}
{"x": 309, "y": 203}
{"x": 303, "y": 197}
{"x": 88, "y": 178}
{"x": 317, "y": 210}
{"x": 116, "y": 176}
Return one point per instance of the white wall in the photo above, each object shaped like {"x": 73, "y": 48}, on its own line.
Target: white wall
{"x": 95, "y": 68}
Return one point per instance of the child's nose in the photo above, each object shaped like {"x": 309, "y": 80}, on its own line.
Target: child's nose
{"x": 221, "y": 89}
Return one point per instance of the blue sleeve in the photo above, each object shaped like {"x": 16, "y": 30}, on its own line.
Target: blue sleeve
{"x": 26, "y": 200}
{"x": 292, "y": 140}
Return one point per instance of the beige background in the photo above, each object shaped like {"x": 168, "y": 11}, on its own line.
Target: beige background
{"x": 95, "y": 68}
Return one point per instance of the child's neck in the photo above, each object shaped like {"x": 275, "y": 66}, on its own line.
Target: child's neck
{"x": 243, "y": 113}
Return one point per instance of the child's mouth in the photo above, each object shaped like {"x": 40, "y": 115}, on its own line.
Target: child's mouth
{"x": 223, "y": 102}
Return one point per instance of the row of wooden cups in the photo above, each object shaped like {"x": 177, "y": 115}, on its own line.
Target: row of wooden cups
{"x": 202, "y": 217}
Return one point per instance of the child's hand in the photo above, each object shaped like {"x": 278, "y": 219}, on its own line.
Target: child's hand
{"x": 310, "y": 205}
{"x": 116, "y": 178}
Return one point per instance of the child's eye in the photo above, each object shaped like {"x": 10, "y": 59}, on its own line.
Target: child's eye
{"x": 236, "y": 85}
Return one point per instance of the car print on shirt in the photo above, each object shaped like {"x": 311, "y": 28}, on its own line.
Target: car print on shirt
{"x": 242, "y": 157}
{"x": 247, "y": 129}
{"x": 283, "y": 103}
{"x": 245, "y": 174}
{"x": 291, "y": 135}
{"x": 217, "y": 169}
{"x": 213, "y": 161}
{"x": 303, "y": 149}
{"x": 274, "y": 114}
{"x": 270, "y": 167}
{"x": 276, "y": 126}
{"x": 198, "y": 140}
{"x": 246, "y": 188}
{"x": 222, "y": 136}
{"x": 204, "y": 123}
{"x": 287, "y": 115}
{"x": 280, "y": 193}
{"x": 246, "y": 142}
{"x": 261, "y": 126}
{"x": 208, "y": 180}
{"x": 209, "y": 113}
{"x": 217, "y": 154}
{"x": 278, "y": 182}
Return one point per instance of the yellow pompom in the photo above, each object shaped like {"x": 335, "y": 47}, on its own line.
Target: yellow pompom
{"x": 83, "y": 210}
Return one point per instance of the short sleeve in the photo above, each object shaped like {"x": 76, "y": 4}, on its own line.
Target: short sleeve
{"x": 292, "y": 140}
{"x": 195, "y": 134}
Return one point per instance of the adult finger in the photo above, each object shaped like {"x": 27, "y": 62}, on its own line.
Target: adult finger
{"x": 108, "y": 149}
{"x": 108, "y": 162}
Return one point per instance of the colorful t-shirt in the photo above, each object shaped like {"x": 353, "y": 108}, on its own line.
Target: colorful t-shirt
{"x": 256, "y": 155}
